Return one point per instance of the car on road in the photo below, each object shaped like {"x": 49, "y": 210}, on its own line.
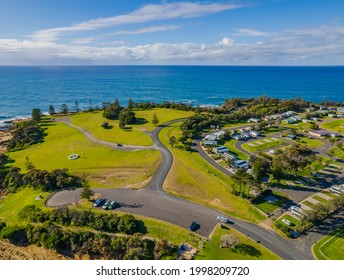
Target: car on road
{"x": 222, "y": 219}
{"x": 119, "y": 145}
{"x": 98, "y": 202}
{"x": 113, "y": 205}
{"x": 287, "y": 222}
{"x": 106, "y": 205}
{"x": 194, "y": 226}
{"x": 336, "y": 190}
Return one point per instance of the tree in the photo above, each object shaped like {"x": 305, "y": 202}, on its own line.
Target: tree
{"x": 86, "y": 192}
{"x": 172, "y": 140}
{"x": 64, "y": 109}
{"x": 155, "y": 119}
{"x": 36, "y": 114}
{"x": 51, "y": 110}
{"x": 112, "y": 111}
{"x": 127, "y": 116}
{"x": 90, "y": 106}
{"x": 229, "y": 241}
{"x": 28, "y": 164}
{"x": 130, "y": 104}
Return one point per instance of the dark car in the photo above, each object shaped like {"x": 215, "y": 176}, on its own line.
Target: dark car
{"x": 113, "y": 205}
{"x": 98, "y": 202}
{"x": 194, "y": 226}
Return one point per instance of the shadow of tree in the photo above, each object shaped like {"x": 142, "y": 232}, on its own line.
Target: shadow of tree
{"x": 247, "y": 250}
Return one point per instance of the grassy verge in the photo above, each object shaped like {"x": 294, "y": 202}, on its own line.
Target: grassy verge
{"x": 230, "y": 145}
{"x": 334, "y": 126}
{"x": 331, "y": 247}
{"x": 246, "y": 250}
{"x": 308, "y": 203}
{"x": 320, "y": 199}
{"x": 101, "y": 165}
{"x": 193, "y": 178}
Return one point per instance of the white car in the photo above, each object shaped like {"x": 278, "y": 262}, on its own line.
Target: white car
{"x": 287, "y": 222}
{"x": 222, "y": 219}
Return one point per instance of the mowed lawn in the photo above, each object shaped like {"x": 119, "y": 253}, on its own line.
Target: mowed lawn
{"x": 101, "y": 165}
{"x": 262, "y": 144}
{"x": 335, "y": 125}
{"x": 311, "y": 143}
{"x": 247, "y": 249}
{"x": 193, "y": 178}
{"x": 330, "y": 247}
{"x": 91, "y": 122}
{"x": 230, "y": 144}
{"x": 164, "y": 115}
{"x": 13, "y": 203}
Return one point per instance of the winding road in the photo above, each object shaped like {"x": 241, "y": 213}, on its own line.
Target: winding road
{"x": 154, "y": 202}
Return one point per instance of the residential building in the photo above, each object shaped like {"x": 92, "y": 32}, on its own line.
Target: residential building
{"x": 253, "y": 120}
{"x": 208, "y": 143}
{"x": 319, "y": 133}
{"x": 292, "y": 136}
{"x": 226, "y": 156}
{"x": 240, "y": 164}
{"x": 221, "y": 150}
{"x": 254, "y": 133}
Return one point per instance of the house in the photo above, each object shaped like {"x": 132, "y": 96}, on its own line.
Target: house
{"x": 340, "y": 110}
{"x": 240, "y": 164}
{"x": 253, "y": 120}
{"x": 332, "y": 115}
{"x": 290, "y": 120}
{"x": 208, "y": 143}
{"x": 230, "y": 156}
{"x": 221, "y": 150}
{"x": 254, "y": 133}
{"x": 210, "y": 137}
{"x": 236, "y": 136}
{"x": 291, "y": 136}
{"x": 306, "y": 121}
{"x": 246, "y": 135}
{"x": 219, "y": 134}
{"x": 319, "y": 133}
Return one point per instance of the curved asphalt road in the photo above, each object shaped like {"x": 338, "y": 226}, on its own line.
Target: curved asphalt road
{"x": 155, "y": 203}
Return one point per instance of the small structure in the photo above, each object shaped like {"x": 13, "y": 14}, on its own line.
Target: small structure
{"x": 240, "y": 164}
{"x": 236, "y": 137}
{"x": 209, "y": 143}
{"x": 319, "y": 133}
{"x": 73, "y": 156}
{"x": 254, "y": 133}
{"x": 230, "y": 156}
{"x": 340, "y": 110}
{"x": 219, "y": 135}
{"x": 210, "y": 137}
{"x": 253, "y": 120}
{"x": 246, "y": 135}
{"x": 221, "y": 150}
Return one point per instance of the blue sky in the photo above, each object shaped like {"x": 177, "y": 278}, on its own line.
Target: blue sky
{"x": 118, "y": 32}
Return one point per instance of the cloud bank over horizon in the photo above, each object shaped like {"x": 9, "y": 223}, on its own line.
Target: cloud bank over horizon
{"x": 112, "y": 40}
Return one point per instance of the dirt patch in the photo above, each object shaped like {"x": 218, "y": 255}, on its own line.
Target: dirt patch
{"x": 9, "y": 251}
{"x": 5, "y": 136}
{"x": 267, "y": 224}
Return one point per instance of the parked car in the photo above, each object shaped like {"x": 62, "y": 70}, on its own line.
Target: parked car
{"x": 112, "y": 205}
{"x": 106, "y": 205}
{"x": 287, "y": 222}
{"x": 194, "y": 226}
{"x": 222, "y": 219}
{"x": 98, "y": 202}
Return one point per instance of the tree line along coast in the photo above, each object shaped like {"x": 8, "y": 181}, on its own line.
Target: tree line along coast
{"x": 282, "y": 156}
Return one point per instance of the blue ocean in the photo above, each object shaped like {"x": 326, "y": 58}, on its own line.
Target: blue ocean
{"x": 24, "y": 88}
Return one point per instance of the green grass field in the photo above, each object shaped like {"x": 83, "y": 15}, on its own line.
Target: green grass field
{"x": 337, "y": 152}
{"x": 13, "y": 203}
{"x": 164, "y": 115}
{"x": 246, "y": 250}
{"x": 193, "y": 178}
{"x": 261, "y": 144}
{"x": 334, "y": 126}
{"x": 311, "y": 143}
{"x": 101, "y": 165}
{"x": 91, "y": 122}
{"x": 270, "y": 207}
{"x": 331, "y": 247}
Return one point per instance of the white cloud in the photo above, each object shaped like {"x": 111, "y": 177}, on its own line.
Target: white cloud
{"x": 147, "y": 13}
{"x": 251, "y": 32}
{"x": 292, "y": 47}
{"x": 149, "y": 29}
